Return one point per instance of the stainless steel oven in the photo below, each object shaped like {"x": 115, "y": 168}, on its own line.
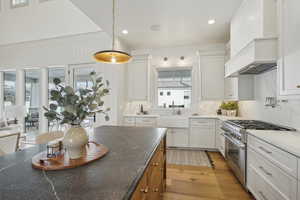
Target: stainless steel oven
{"x": 235, "y": 152}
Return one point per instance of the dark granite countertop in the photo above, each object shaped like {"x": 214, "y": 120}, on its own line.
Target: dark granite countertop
{"x": 113, "y": 177}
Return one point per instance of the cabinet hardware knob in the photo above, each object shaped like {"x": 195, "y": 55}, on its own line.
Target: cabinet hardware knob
{"x": 298, "y": 86}
{"x": 156, "y": 190}
{"x": 144, "y": 190}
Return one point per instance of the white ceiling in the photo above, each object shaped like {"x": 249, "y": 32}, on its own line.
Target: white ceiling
{"x": 182, "y": 22}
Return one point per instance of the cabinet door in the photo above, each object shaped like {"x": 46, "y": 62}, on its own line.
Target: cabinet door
{"x": 142, "y": 190}
{"x": 202, "y": 137}
{"x": 289, "y": 58}
{"x": 180, "y": 137}
{"x": 170, "y": 138}
{"x": 212, "y": 77}
{"x": 231, "y": 88}
{"x": 138, "y": 80}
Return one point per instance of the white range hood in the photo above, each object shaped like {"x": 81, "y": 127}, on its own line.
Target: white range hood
{"x": 259, "y": 56}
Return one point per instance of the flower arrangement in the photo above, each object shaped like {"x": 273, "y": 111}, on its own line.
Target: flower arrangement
{"x": 75, "y": 106}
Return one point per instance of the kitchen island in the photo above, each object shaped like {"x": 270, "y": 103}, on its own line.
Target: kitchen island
{"x": 134, "y": 168}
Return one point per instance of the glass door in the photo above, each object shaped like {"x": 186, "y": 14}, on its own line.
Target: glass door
{"x": 55, "y": 72}
{"x": 9, "y": 88}
{"x": 32, "y": 100}
{"x": 81, "y": 79}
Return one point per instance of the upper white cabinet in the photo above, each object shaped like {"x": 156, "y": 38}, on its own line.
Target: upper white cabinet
{"x": 138, "y": 78}
{"x": 254, "y": 19}
{"x": 239, "y": 88}
{"x": 212, "y": 77}
{"x": 289, "y": 51}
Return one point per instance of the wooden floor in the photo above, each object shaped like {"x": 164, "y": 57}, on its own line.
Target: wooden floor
{"x": 203, "y": 183}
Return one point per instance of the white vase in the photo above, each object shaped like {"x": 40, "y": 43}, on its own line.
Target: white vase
{"x": 75, "y": 140}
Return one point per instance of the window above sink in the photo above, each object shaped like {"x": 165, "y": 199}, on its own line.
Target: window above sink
{"x": 174, "y": 87}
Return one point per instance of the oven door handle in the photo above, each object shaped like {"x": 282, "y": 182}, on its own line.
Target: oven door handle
{"x": 239, "y": 145}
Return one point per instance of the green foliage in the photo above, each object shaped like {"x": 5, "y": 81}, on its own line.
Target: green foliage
{"x": 230, "y": 105}
{"x": 71, "y": 107}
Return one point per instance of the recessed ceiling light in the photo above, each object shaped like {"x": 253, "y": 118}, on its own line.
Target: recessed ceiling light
{"x": 211, "y": 21}
{"x": 125, "y": 32}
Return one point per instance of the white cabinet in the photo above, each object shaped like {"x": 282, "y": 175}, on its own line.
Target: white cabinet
{"x": 177, "y": 137}
{"x": 289, "y": 42}
{"x": 271, "y": 172}
{"x": 254, "y": 19}
{"x": 202, "y": 133}
{"x": 140, "y": 121}
{"x": 220, "y": 139}
{"x": 212, "y": 77}
{"x": 239, "y": 88}
{"x": 138, "y": 78}
{"x": 129, "y": 121}
{"x": 146, "y": 121}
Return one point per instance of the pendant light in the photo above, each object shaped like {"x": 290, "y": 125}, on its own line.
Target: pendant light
{"x": 113, "y": 56}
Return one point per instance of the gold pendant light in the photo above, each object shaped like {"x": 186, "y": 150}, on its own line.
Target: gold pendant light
{"x": 113, "y": 56}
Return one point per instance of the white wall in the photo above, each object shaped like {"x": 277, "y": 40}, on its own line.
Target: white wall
{"x": 38, "y": 21}
{"x": 287, "y": 114}
{"x": 66, "y": 51}
{"x": 57, "y": 51}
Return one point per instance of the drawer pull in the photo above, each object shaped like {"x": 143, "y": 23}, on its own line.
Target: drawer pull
{"x": 298, "y": 86}
{"x": 262, "y": 195}
{"x": 155, "y": 164}
{"x": 265, "y": 150}
{"x": 144, "y": 190}
{"x": 265, "y": 171}
{"x": 156, "y": 190}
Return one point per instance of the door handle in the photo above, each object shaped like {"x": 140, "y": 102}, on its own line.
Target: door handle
{"x": 262, "y": 195}
{"x": 265, "y": 150}
{"x": 265, "y": 171}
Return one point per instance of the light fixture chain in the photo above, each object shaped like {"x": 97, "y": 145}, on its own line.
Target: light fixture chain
{"x": 114, "y": 21}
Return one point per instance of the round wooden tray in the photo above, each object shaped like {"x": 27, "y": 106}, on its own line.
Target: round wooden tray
{"x": 93, "y": 151}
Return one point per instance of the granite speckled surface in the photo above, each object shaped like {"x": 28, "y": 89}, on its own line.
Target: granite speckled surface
{"x": 114, "y": 177}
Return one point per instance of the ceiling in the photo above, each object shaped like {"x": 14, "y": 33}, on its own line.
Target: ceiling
{"x": 182, "y": 22}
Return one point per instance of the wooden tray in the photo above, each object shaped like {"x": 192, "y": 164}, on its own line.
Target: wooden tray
{"x": 93, "y": 151}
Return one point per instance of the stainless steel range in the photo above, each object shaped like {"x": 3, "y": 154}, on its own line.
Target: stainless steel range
{"x": 236, "y": 143}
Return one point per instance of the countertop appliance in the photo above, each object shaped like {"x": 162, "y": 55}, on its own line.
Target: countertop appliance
{"x": 236, "y": 143}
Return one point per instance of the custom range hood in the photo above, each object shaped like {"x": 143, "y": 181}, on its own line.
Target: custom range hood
{"x": 259, "y": 56}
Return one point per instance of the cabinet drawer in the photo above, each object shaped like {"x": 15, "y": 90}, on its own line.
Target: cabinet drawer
{"x": 284, "y": 160}
{"x": 284, "y": 183}
{"x": 203, "y": 123}
{"x": 141, "y": 121}
{"x": 129, "y": 121}
{"x": 260, "y": 188}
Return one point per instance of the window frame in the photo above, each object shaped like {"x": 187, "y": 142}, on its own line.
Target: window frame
{"x": 157, "y": 69}
{"x": 12, "y": 6}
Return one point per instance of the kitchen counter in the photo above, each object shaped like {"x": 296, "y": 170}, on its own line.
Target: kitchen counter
{"x": 220, "y": 117}
{"x": 114, "y": 177}
{"x": 286, "y": 140}
{"x": 144, "y": 116}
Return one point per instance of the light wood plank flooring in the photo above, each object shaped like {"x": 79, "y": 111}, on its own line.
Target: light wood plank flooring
{"x": 204, "y": 183}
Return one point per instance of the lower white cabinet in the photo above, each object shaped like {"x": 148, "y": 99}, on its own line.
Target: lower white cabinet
{"x": 220, "y": 138}
{"x": 202, "y": 133}
{"x": 266, "y": 178}
{"x": 177, "y": 137}
{"x": 140, "y": 121}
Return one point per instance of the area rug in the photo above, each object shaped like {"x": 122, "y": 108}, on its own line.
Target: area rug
{"x": 188, "y": 157}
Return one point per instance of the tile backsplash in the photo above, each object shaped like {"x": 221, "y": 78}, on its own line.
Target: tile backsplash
{"x": 285, "y": 113}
